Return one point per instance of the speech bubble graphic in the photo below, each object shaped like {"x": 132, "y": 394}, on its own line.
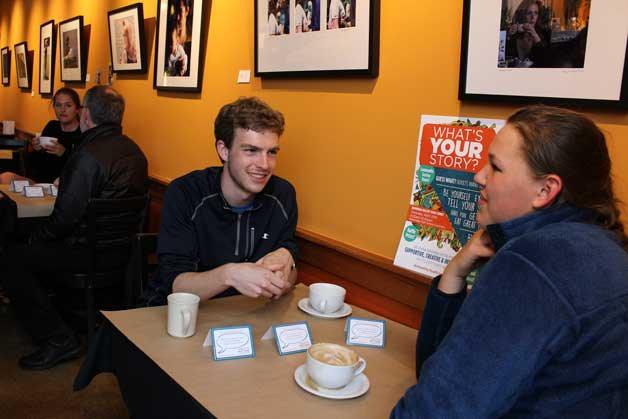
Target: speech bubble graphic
{"x": 231, "y": 340}
{"x": 292, "y": 337}
{"x": 367, "y": 331}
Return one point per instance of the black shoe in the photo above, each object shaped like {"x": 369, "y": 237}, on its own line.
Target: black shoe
{"x": 51, "y": 353}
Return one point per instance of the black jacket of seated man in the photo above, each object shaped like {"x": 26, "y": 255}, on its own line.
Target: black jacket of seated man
{"x": 107, "y": 164}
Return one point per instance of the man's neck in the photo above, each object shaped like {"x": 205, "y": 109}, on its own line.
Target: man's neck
{"x": 232, "y": 193}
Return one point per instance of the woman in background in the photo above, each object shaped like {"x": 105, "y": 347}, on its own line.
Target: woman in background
{"x": 527, "y": 38}
{"x": 544, "y": 332}
{"x": 45, "y": 162}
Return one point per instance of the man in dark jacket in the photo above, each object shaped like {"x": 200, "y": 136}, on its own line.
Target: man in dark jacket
{"x": 230, "y": 229}
{"x": 107, "y": 164}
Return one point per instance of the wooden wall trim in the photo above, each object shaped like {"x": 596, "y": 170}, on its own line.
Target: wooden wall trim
{"x": 372, "y": 281}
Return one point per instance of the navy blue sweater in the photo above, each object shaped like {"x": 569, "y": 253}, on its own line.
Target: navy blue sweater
{"x": 199, "y": 230}
{"x": 543, "y": 333}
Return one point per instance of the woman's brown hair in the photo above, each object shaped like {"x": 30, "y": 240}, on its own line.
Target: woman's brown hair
{"x": 571, "y": 146}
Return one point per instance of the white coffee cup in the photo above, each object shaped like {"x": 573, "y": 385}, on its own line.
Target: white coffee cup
{"x": 333, "y": 366}
{"x": 47, "y": 141}
{"x": 182, "y": 311}
{"x": 326, "y": 298}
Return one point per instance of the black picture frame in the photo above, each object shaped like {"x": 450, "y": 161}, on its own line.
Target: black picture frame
{"x": 5, "y": 64}
{"x": 126, "y": 33}
{"x": 180, "y": 68}
{"x": 22, "y": 68}
{"x": 47, "y": 54}
{"x": 485, "y": 75}
{"x": 72, "y": 57}
{"x": 283, "y": 50}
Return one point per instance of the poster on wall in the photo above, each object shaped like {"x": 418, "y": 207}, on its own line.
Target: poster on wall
{"x": 46, "y": 57}
{"x": 443, "y": 201}
{"x": 126, "y": 39}
{"x": 71, "y": 49}
{"x": 6, "y": 66}
{"x": 21, "y": 65}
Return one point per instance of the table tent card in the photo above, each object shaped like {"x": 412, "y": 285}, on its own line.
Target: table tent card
{"x": 365, "y": 332}
{"x": 33, "y": 191}
{"x": 231, "y": 342}
{"x": 290, "y": 338}
{"x": 53, "y": 190}
{"x": 18, "y": 185}
{"x": 443, "y": 200}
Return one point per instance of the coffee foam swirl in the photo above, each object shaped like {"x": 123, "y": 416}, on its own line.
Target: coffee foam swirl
{"x": 332, "y": 354}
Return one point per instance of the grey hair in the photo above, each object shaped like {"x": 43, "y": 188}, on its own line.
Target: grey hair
{"x": 105, "y": 105}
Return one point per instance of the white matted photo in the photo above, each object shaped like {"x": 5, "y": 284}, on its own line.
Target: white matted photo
{"x": 126, "y": 39}
{"x": 47, "y": 43}
{"x": 316, "y": 37}
{"x": 562, "y": 52}
{"x": 180, "y": 39}
{"x": 5, "y": 61}
{"x": 71, "y": 49}
{"x": 21, "y": 65}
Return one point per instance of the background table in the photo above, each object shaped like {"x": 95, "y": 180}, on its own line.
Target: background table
{"x": 30, "y": 207}
{"x": 261, "y": 387}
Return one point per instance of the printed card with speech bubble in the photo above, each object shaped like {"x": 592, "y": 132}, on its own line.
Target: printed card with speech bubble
{"x": 292, "y": 338}
{"x": 232, "y": 342}
{"x": 365, "y": 332}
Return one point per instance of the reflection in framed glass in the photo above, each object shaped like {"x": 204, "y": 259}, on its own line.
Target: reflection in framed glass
{"x": 569, "y": 53}
{"x": 316, "y": 38}
{"x": 47, "y": 44}
{"x": 21, "y": 65}
{"x": 126, "y": 39}
{"x": 5, "y": 61}
{"x": 179, "y": 45}
{"x": 71, "y": 50}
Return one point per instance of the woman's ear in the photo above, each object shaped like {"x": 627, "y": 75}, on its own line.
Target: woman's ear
{"x": 550, "y": 188}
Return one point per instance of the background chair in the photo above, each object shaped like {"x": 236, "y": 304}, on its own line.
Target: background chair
{"x": 111, "y": 227}
{"x": 141, "y": 267}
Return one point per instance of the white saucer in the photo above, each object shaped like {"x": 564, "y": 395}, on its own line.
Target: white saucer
{"x": 355, "y": 388}
{"x": 304, "y": 304}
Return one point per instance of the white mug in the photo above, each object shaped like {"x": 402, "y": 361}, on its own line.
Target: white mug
{"x": 47, "y": 141}
{"x": 326, "y": 298}
{"x": 182, "y": 311}
{"x": 325, "y": 372}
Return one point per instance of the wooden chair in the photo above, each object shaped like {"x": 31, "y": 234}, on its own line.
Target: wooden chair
{"x": 111, "y": 226}
{"x": 141, "y": 267}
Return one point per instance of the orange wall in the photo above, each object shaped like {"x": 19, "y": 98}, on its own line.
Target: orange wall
{"x": 350, "y": 144}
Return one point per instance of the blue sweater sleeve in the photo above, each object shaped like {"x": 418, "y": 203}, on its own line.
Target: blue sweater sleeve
{"x": 500, "y": 339}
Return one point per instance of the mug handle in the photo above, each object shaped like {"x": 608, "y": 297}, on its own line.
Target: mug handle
{"x": 360, "y": 368}
{"x": 322, "y": 305}
{"x": 186, "y": 318}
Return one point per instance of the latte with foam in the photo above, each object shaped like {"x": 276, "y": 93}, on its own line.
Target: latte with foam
{"x": 332, "y": 354}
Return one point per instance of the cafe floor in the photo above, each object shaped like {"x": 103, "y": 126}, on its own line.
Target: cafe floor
{"x": 48, "y": 394}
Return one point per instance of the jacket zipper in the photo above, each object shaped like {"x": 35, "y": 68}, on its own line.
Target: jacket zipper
{"x": 237, "y": 246}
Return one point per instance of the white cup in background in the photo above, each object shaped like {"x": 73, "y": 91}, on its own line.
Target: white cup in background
{"x": 47, "y": 141}
{"x": 333, "y": 366}
{"x": 326, "y": 298}
{"x": 182, "y": 311}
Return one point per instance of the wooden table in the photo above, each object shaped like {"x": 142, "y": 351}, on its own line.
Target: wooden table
{"x": 30, "y": 207}
{"x": 264, "y": 387}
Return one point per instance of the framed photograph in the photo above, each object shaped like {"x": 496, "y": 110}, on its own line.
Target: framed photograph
{"x": 126, "y": 39}
{"x": 21, "y": 65}
{"x": 47, "y": 44}
{"x": 5, "y": 55}
{"x": 299, "y": 38}
{"x": 568, "y": 52}
{"x": 71, "y": 49}
{"x": 178, "y": 60}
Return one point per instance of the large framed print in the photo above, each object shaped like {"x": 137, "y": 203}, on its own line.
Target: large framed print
{"x": 297, "y": 38}
{"x": 5, "y": 57}
{"x": 47, "y": 44}
{"x": 126, "y": 39}
{"x": 552, "y": 51}
{"x": 180, "y": 37}
{"x": 21, "y": 65}
{"x": 71, "y": 49}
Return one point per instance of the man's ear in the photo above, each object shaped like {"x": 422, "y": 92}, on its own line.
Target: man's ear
{"x": 223, "y": 150}
{"x": 550, "y": 188}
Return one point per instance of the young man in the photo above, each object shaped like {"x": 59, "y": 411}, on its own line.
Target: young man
{"x": 107, "y": 164}
{"x": 230, "y": 229}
